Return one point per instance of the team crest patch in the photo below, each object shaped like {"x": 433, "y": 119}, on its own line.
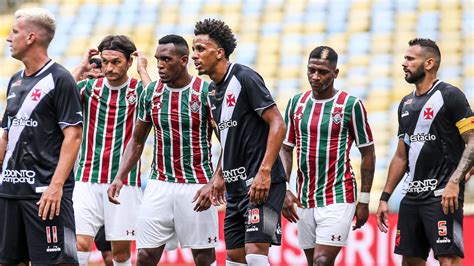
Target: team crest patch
{"x": 230, "y": 99}
{"x": 337, "y": 115}
{"x": 131, "y": 98}
{"x": 194, "y": 105}
{"x": 428, "y": 113}
{"x": 36, "y": 95}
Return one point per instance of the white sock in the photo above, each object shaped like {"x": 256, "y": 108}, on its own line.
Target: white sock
{"x": 125, "y": 263}
{"x": 83, "y": 257}
{"x": 233, "y": 263}
{"x": 257, "y": 260}
{"x": 214, "y": 263}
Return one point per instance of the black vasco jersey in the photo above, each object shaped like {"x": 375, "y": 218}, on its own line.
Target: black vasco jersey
{"x": 238, "y": 102}
{"x": 434, "y": 146}
{"x": 38, "y": 108}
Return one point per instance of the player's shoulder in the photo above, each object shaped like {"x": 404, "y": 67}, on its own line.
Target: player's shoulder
{"x": 243, "y": 72}
{"x": 447, "y": 89}
{"x": 59, "y": 71}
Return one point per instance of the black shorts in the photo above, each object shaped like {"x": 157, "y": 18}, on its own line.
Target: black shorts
{"x": 421, "y": 227}
{"x": 24, "y": 236}
{"x": 100, "y": 242}
{"x": 248, "y": 223}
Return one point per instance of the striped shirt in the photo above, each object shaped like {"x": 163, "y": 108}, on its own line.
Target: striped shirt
{"x": 181, "y": 118}
{"x": 109, "y": 116}
{"x": 323, "y": 132}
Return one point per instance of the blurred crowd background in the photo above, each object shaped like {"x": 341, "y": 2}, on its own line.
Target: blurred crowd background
{"x": 275, "y": 38}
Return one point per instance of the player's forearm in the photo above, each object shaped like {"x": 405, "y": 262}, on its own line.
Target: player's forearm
{"x": 367, "y": 168}
{"x": 286, "y": 155}
{"x": 79, "y": 71}
{"x": 144, "y": 77}
{"x": 3, "y": 146}
{"x": 467, "y": 158}
{"x": 396, "y": 171}
{"x": 276, "y": 134}
{"x": 68, "y": 154}
{"x": 131, "y": 155}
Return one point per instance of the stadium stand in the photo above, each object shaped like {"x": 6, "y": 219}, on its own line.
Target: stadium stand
{"x": 275, "y": 37}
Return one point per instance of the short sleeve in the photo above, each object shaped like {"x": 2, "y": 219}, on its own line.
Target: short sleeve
{"x": 400, "y": 131}
{"x": 457, "y": 105}
{"x": 259, "y": 96}
{"x": 360, "y": 125}
{"x": 290, "y": 126}
{"x": 5, "y": 116}
{"x": 144, "y": 103}
{"x": 67, "y": 101}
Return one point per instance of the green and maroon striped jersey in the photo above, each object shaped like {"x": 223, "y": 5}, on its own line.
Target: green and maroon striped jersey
{"x": 182, "y": 123}
{"x": 109, "y": 114}
{"x": 323, "y": 132}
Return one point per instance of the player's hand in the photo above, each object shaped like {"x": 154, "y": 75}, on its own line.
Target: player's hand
{"x": 218, "y": 191}
{"x": 142, "y": 62}
{"x": 382, "y": 216}
{"x": 50, "y": 202}
{"x": 289, "y": 210}
{"x": 114, "y": 191}
{"x": 260, "y": 188}
{"x": 361, "y": 215}
{"x": 87, "y": 56}
{"x": 203, "y": 198}
{"x": 449, "y": 199}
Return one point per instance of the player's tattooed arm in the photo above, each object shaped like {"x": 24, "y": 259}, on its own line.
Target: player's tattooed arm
{"x": 467, "y": 158}
{"x": 449, "y": 199}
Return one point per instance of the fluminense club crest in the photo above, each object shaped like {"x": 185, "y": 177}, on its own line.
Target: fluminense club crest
{"x": 194, "y": 105}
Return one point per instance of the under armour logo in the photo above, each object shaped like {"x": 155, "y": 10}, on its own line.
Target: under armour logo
{"x": 132, "y": 232}
{"x": 336, "y": 237}
{"x": 210, "y": 239}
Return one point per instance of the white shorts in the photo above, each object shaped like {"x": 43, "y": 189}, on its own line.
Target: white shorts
{"x": 329, "y": 225}
{"x": 92, "y": 209}
{"x": 167, "y": 216}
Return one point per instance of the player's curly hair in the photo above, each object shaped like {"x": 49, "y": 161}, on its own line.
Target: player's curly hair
{"x": 219, "y": 32}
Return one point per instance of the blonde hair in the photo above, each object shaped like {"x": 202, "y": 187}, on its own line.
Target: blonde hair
{"x": 41, "y": 19}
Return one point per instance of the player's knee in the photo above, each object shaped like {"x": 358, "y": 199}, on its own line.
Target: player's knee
{"x": 145, "y": 258}
{"x": 204, "y": 256}
{"x": 84, "y": 243}
{"x": 121, "y": 255}
{"x": 257, "y": 248}
{"x": 449, "y": 260}
{"x": 323, "y": 260}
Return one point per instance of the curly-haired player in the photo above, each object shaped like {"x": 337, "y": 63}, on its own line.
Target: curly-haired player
{"x": 250, "y": 129}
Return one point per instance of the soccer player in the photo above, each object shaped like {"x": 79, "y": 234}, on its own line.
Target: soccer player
{"x": 42, "y": 135}
{"x": 178, "y": 108}
{"x": 436, "y": 150}
{"x": 110, "y": 111}
{"x": 323, "y": 123}
{"x": 251, "y": 130}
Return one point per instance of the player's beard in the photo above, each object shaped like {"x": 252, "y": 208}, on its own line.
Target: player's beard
{"x": 415, "y": 77}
